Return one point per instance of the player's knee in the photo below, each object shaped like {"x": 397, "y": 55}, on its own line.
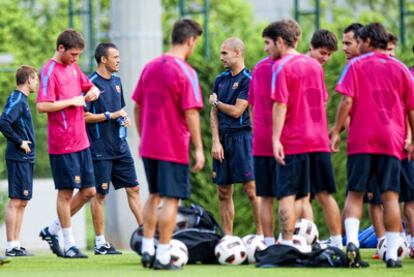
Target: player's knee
{"x": 224, "y": 194}
{"x": 251, "y": 193}
{"x": 88, "y": 193}
{"x": 133, "y": 190}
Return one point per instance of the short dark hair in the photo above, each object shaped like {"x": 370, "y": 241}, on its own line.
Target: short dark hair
{"x": 324, "y": 39}
{"x": 354, "y": 27}
{"x": 280, "y": 29}
{"x": 392, "y": 38}
{"x": 70, "y": 39}
{"x": 23, "y": 73}
{"x": 376, "y": 33}
{"x": 102, "y": 50}
{"x": 184, "y": 29}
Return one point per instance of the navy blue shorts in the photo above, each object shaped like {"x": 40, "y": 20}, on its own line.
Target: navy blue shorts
{"x": 364, "y": 169}
{"x": 168, "y": 179}
{"x": 321, "y": 172}
{"x": 265, "y": 173}
{"x": 20, "y": 177}
{"x": 305, "y": 173}
{"x": 373, "y": 194}
{"x": 237, "y": 166}
{"x": 73, "y": 170}
{"x": 407, "y": 181}
{"x": 119, "y": 171}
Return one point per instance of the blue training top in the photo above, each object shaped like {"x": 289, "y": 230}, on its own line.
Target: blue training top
{"x": 104, "y": 135}
{"x": 16, "y": 125}
{"x": 230, "y": 88}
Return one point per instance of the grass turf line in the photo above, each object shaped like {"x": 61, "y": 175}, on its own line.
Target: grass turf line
{"x": 128, "y": 264}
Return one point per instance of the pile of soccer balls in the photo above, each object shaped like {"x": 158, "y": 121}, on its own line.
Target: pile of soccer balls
{"x": 232, "y": 250}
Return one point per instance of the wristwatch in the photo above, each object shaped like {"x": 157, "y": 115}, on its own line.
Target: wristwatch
{"x": 215, "y": 103}
{"x": 107, "y": 115}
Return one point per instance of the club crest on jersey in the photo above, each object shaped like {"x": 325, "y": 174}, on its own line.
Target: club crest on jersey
{"x": 118, "y": 88}
{"x": 104, "y": 186}
{"x": 235, "y": 85}
{"x": 77, "y": 179}
{"x": 26, "y": 192}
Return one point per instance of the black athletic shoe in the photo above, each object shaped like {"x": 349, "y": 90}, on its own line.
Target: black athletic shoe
{"x": 4, "y": 260}
{"x": 74, "y": 253}
{"x": 107, "y": 249}
{"x": 52, "y": 240}
{"x": 354, "y": 259}
{"x": 18, "y": 252}
{"x": 147, "y": 260}
{"x": 159, "y": 266}
{"x": 393, "y": 263}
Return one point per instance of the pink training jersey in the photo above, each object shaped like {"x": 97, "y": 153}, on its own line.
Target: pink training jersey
{"x": 298, "y": 81}
{"x": 168, "y": 86}
{"x": 382, "y": 91}
{"x": 66, "y": 128}
{"x": 259, "y": 99}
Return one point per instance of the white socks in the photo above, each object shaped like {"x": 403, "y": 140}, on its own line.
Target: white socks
{"x": 12, "y": 244}
{"x": 336, "y": 241}
{"x": 100, "y": 240}
{"x": 163, "y": 253}
{"x": 148, "y": 246}
{"x": 392, "y": 245}
{"x": 352, "y": 229}
{"x": 269, "y": 241}
{"x": 54, "y": 228}
{"x": 68, "y": 240}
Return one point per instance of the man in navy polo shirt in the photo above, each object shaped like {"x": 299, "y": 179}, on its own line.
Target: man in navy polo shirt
{"x": 231, "y": 134}
{"x": 17, "y": 126}
{"x": 106, "y": 126}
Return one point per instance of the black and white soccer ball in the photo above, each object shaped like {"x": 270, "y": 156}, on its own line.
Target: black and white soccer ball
{"x": 300, "y": 243}
{"x": 308, "y": 230}
{"x": 178, "y": 253}
{"x": 230, "y": 251}
{"x": 402, "y": 250}
{"x": 253, "y": 243}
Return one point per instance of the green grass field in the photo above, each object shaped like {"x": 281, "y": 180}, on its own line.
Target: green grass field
{"x": 45, "y": 264}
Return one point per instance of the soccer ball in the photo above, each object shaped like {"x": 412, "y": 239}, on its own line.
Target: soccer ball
{"x": 253, "y": 243}
{"x": 307, "y": 229}
{"x": 178, "y": 252}
{"x": 402, "y": 250}
{"x": 230, "y": 251}
{"x": 300, "y": 243}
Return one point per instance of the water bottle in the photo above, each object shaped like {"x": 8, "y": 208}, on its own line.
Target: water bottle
{"x": 122, "y": 128}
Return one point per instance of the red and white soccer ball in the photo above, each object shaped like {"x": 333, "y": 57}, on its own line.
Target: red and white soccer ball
{"x": 253, "y": 243}
{"x": 178, "y": 253}
{"x": 230, "y": 251}
{"x": 308, "y": 230}
{"x": 402, "y": 250}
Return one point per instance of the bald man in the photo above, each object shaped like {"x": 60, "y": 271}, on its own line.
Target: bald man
{"x": 232, "y": 134}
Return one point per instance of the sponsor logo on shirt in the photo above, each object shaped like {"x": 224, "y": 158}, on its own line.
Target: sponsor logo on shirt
{"x": 235, "y": 85}
{"x": 118, "y": 88}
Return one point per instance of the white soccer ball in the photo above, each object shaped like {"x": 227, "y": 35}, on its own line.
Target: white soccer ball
{"x": 308, "y": 230}
{"x": 230, "y": 251}
{"x": 402, "y": 250}
{"x": 178, "y": 253}
{"x": 300, "y": 243}
{"x": 253, "y": 243}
